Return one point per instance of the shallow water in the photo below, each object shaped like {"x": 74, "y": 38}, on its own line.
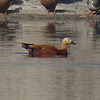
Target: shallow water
{"x": 76, "y": 77}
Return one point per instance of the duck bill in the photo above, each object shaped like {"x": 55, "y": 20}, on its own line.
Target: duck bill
{"x": 73, "y": 43}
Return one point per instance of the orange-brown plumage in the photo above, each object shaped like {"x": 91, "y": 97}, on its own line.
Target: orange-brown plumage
{"x": 47, "y": 50}
{"x": 4, "y": 5}
{"x": 50, "y": 5}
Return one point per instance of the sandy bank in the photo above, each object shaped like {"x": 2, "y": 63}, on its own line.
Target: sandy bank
{"x": 34, "y": 9}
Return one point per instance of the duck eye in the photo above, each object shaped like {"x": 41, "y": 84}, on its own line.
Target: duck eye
{"x": 68, "y": 39}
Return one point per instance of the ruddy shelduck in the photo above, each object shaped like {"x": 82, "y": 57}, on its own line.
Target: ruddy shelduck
{"x": 47, "y": 50}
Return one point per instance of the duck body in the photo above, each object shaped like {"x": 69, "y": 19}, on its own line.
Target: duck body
{"x": 50, "y": 5}
{"x": 4, "y": 5}
{"x": 46, "y": 50}
{"x": 94, "y": 6}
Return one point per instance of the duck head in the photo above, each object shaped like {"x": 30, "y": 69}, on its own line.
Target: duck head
{"x": 65, "y": 42}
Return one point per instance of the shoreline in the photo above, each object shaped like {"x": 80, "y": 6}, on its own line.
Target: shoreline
{"x": 33, "y": 9}
{"x": 48, "y": 17}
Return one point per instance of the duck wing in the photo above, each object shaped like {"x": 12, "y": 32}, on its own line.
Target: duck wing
{"x": 43, "y": 51}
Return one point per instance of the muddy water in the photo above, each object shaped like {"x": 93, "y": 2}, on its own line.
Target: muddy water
{"x": 76, "y": 77}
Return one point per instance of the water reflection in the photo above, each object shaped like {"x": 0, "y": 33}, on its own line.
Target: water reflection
{"x": 50, "y": 28}
{"x": 53, "y": 29}
{"x": 74, "y": 78}
{"x": 95, "y": 24}
{"x": 84, "y": 32}
{"x": 3, "y": 26}
{"x": 7, "y": 31}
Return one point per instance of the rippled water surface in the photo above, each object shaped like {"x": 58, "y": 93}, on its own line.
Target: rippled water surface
{"x": 76, "y": 77}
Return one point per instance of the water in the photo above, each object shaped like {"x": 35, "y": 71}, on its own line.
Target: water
{"x": 76, "y": 77}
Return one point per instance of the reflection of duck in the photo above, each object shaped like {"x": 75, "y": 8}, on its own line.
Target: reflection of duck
{"x": 95, "y": 25}
{"x": 7, "y": 31}
{"x": 3, "y": 30}
{"x": 4, "y": 5}
{"x": 94, "y": 6}
{"x": 50, "y": 27}
{"x": 50, "y": 5}
{"x": 47, "y": 50}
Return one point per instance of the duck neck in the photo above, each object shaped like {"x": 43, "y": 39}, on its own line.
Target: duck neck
{"x": 63, "y": 46}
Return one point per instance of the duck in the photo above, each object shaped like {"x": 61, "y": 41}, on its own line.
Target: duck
{"x": 48, "y": 50}
{"x": 50, "y": 5}
{"x": 4, "y": 5}
{"x": 94, "y": 6}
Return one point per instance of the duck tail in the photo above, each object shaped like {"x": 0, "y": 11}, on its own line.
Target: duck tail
{"x": 26, "y": 45}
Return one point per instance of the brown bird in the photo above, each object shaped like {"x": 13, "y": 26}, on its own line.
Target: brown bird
{"x": 94, "y": 6}
{"x": 4, "y": 5}
{"x": 50, "y": 5}
{"x": 48, "y": 50}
